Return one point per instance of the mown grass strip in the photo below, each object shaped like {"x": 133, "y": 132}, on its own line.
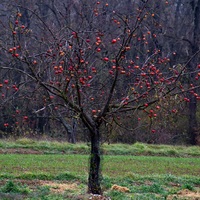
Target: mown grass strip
{"x": 77, "y": 165}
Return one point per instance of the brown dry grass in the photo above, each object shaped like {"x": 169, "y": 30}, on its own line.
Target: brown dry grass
{"x": 56, "y": 187}
{"x": 59, "y": 187}
{"x": 185, "y": 194}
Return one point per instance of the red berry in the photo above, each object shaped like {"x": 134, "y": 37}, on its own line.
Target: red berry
{"x": 94, "y": 111}
{"x": 25, "y": 117}
{"x": 98, "y": 49}
{"x": 114, "y": 41}
{"x": 10, "y": 50}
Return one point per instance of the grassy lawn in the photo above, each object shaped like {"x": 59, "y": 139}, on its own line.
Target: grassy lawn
{"x": 64, "y": 176}
{"x": 20, "y": 164}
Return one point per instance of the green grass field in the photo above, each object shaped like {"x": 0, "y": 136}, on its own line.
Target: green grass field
{"x": 54, "y": 147}
{"x": 60, "y": 170}
{"x": 20, "y": 164}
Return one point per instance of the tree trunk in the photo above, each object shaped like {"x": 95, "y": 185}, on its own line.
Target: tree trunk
{"x": 193, "y": 125}
{"x": 71, "y": 130}
{"x": 95, "y": 159}
{"x": 73, "y": 135}
{"x": 192, "y": 120}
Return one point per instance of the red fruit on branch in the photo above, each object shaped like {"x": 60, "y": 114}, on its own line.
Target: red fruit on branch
{"x": 106, "y": 59}
{"x": 94, "y": 112}
{"x": 143, "y": 74}
{"x": 153, "y": 130}
{"x": 34, "y": 62}
{"x": 114, "y": 41}
{"x": 6, "y": 125}
{"x": 10, "y": 50}
{"x": 98, "y": 49}
{"x": 94, "y": 70}
{"x": 186, "y": 99}
{"x": 174, "y": 111}
{"x": 158, "y": 107}
{"x": 25, "y": 118}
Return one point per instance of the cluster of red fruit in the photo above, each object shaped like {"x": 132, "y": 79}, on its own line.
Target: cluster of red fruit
{"x": 6, "y": 82}
{"x": 14, "y": 51}
{"x": 58, "y": 69}
{"x": 17, "y": 24}
{"x": 6, "y": 125}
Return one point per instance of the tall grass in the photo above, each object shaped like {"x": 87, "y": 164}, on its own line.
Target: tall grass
{"x": 54, "y": 147}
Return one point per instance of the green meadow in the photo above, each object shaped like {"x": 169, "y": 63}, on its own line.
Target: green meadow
{"x": 38, "y": 169}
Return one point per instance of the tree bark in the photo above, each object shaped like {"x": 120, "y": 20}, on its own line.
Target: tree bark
{"x": 192, "y": 120}
{"x": 71, "y": 130}
{"x": 95, "y": 168}
{"x": 193, "y": 125}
